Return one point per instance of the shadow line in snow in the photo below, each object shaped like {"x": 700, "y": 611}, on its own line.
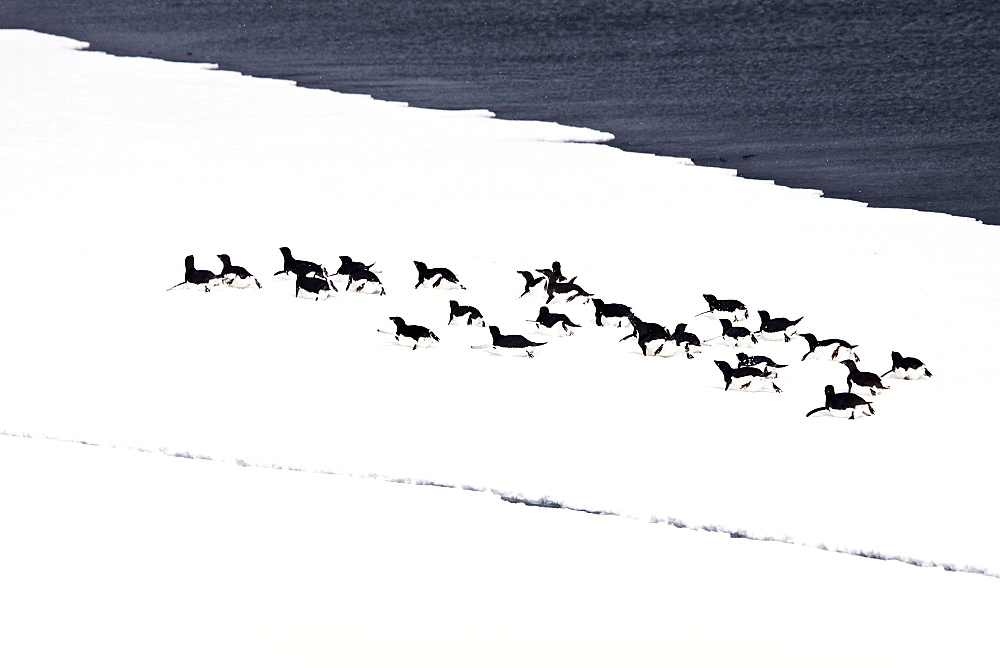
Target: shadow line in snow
{"x": 542, "y": 502}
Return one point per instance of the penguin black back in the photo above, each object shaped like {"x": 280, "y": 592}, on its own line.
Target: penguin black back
{"x": 234, "y": 275}
{"x": 843, "y": 403}
{"x": 298, "y": 267}
{"x": 192, "y": 276}
{"x": 909, "y": 368}
{"x": 866, "y": 379}
{"x": 530, "y": 281}
{"x": 471, "y": 313}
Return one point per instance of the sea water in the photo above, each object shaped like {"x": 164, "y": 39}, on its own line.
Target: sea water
{"x": 893, "y": 102}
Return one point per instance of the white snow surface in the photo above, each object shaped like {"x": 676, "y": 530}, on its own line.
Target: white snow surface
{"x": 113, "y": 169}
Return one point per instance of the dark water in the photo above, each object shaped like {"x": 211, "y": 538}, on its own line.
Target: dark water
{"x": 891, "y": 102}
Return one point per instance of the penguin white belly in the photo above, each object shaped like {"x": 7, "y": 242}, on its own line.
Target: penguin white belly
{"x": 662, "y": 348}
{"x": 558, "y": 329}
{"x": 739, "y": 315}
{"x": 738, "y": 341}
{"x": 825, "y": 353}
{"x": 367, "y": 287}
{"x": 467, "y": 320}
{"x": 321, "y": 295}
{"x": 614, "y": 321}
{"x": 844, "y": 353}
{"x": 856, "y": 411}
{"x": 910, "y": 374}
{"x": 568, "y": 298}
{"x": 422, "y": 342}
{"x": 234, "y": 281}
{"x": 751, "y": 384}
{"x": 439, "y": 282}
{"x": 511, "y": 352}
{"x": 690, "y": 349}
{"x": 777, "y": 336}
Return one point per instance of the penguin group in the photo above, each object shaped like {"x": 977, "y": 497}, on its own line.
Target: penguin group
{"x": 750, "y": 372}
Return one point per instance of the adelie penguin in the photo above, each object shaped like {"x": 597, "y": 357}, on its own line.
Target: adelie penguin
{"x": 437, "y": 278}
{"x": 907, "y": 368}
{"x": 733, "y": 309}
{"x": 556, "y": 272}
{"x": 654, "y": 339}
{"x": 554, "y": 323}
{"x": 689, "y": 341}
{"x": 235, "y": 276}
{"x": 760, "y": 361}
{"x": 747, "y": 378}
{"x": 610, "y": 315}
{"x": 348, "y": 265}
{"x": 776, "y": 329}
{"x": 465, "y": 315}
{"x": 314, "y": 287}
{"x": 365, "y": 281}
{"x": 531, "y": 282}
{"x": 736, "y": 335}
{"x": 862, "y": 379}
{"x": 844, "y": 405}
{"x": 829, "y": 349}
{"x": 510, "y": 343}
{"x": 563, "y": 292}
{"x": 298, "y": 267}
{"x": 412, "y": 335}
{"x": 197, "y": 278}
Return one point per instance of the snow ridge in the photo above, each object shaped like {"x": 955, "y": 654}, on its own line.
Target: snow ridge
{"x": 542, "y": 502}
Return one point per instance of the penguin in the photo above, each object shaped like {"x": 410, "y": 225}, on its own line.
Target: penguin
{"x": 829, "y": 349}
{"x": 776, "y": 329}
{"x": 413, "y": 335}
{"x": 760, "y": 361}
{"x": 689, "y": 341}
{"x": 236, "y": 276}
{"x": 347, "y": 265}
{"x": 298, "y": 267}
{"x": 314, "y": 287}
{"x": 469, "y": 314}
{"x": 748, "y": 378}
{"x": 863, "y": 379}
{"x": 513, "y": 343}
{"x": 201, "y": 278}
{"x": 438, "y": 278}
{"x": 530, "y": 281}
{"x": 556, "y": 271}
{"x": 844, "y": 404}
{"x": 908, "y": 368}
{"x": 735, "y": 335}
{"x": 653, "y": 339}
{"x": 565, "y": 291}
{"x": 364, "y": 280}
{"x": 611, "y": 315}
{"x": 733, "y": 309}
{"x": 554, "y": 323}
